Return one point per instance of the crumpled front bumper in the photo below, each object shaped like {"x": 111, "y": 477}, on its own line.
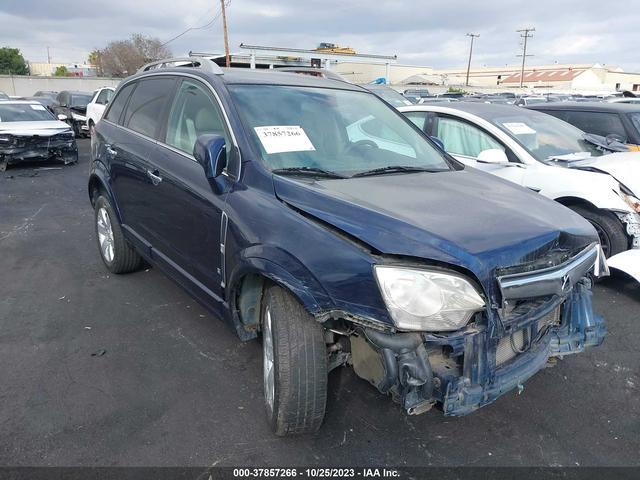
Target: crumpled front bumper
{"x": 64, "y": 150}
{"x": 483, "y": 383}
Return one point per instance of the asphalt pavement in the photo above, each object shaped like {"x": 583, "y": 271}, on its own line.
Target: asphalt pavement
{"x": 101, "y": 369}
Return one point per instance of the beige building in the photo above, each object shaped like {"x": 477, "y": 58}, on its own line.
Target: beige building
{"x": 593, "y": 78}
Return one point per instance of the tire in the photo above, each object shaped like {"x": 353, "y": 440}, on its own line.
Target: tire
{"x": 611, "y": 232}
{"x": 299, "y": 365}
{"x": 116, "y": 253}
{"x": 92, "y": 129}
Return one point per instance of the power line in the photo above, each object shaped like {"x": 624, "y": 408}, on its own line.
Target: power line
{"x": 208, "y": 24}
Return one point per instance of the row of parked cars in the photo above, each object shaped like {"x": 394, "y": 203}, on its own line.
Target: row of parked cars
{"x": 446, "y": 253}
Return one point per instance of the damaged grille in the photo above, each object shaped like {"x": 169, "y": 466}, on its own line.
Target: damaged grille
{"x": 43, "y": 141}
{"x": 510, "y": 346}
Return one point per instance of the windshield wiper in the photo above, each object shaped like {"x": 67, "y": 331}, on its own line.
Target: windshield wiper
{"x": 318, "y": 172}
{"x": 395, "y": 169}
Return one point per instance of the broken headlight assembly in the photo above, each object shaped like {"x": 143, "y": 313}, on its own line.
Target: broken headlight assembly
{"x": 6, "y": 139}
{"x": 427, "y": 300}
{"x": 78, "y": 118}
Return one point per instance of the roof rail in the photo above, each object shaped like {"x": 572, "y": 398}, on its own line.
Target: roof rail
{"x": 189, "y": 62}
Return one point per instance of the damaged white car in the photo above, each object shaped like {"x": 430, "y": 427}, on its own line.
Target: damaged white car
{"x": 28, "y": 132}
{"x": 551, "y": 157}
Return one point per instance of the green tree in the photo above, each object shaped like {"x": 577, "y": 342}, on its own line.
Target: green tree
{"x": 61, "y": 71}
{"x": 95, "y": 59}
{"x": 12, "y": 62}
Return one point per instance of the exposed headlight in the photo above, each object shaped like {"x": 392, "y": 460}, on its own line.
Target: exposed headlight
{"x": 632, "y": 201}
{"x": 5, "y": 139}
{"x": 427, "y": 300}
{"x": 79, "y": 118}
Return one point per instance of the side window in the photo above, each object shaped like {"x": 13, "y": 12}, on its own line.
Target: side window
{"x": 114, "y": 112}
{"x": 194, "y": 112}
{"x": 463, "y": 138}
{"x": 599, "y": 123}
{"x": 144, "y": 110}
{"x": 425, "y": 121}
{"x": 104, "y": 96}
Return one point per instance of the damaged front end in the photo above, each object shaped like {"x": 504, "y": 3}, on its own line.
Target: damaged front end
{"x": 15, "y": 148}
{"x": 542, "y": 314}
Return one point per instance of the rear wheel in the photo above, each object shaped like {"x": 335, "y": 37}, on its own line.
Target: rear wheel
{"x": 92, "y": 129}
{"x": 294, "y": 365}
{"x": 117, "y": 255}
{"x": 611, "y": 231}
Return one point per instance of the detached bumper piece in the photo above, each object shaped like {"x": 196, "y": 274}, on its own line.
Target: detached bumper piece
{"x": 470, "y": 368}
{"x": 18, "y": 148}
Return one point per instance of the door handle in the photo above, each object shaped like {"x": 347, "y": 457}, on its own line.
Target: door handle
{"x": 110, "y": 150}
{"x": 155, "y": 178}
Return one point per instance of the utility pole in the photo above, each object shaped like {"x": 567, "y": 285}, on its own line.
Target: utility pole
{"x": 48, "y": 56}
{"x": 226, "y": 39}
{"x": 524, "y": 33}
{"x": 473, "y": 36}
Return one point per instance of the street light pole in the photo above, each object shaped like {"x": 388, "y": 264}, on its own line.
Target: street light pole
{"x": 524, "y": 33}
{"x": 473, "y": 36}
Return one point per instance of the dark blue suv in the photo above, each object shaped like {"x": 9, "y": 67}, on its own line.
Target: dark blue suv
{"x": 310, "y": 213}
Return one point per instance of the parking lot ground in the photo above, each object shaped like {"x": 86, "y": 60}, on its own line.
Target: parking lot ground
{"x": 98, "y": 369}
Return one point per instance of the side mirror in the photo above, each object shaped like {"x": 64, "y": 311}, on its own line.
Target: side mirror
{"x": 614, "y": 137}
{"x": 492, "y": 155}
{"x": 62, "y": 118}
{"x": 438, "y": 142}
{"x": 210, "y": 152}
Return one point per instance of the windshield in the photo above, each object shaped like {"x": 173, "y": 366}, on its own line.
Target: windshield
{"x": 544, "y": 136}
{"x": 80, "y": 100}
{"x": 340, "y": 131}
{"x": 391, "y": 96}
{"x": 24, "y": 112}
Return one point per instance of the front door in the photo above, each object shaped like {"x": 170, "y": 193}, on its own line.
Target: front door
{"x": 188, "y": 207}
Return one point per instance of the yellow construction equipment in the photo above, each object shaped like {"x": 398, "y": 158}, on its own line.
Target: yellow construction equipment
{"x": 333, "y": 48}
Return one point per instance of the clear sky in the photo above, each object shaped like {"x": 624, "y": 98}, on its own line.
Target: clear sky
{"x": 419, "y": 32}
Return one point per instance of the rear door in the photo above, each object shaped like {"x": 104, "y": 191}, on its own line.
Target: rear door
{"x": 128, "y": 149}
{"x": 188, "y": 207}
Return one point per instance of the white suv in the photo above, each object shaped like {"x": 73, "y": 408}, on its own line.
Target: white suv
{"x": 96, "y": 106}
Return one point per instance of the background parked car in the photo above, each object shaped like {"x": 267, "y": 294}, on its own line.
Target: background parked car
{"x": 46, "y": 93}
{"x": 523, "y": 101}
{"x": 615, "y": 121}
{"x": 73, "y": 105}
{"x": 28, "y": 131}
{"x": 95, "y": 108}
{"x": 415, "y": 94}
{"x": 388, "y": 94}
{"x": 548, "y": 156}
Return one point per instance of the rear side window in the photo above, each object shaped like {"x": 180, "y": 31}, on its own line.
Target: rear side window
{"x": 145, "y": 109}
{"x": 598, "y": 123}
{"x": 113, "y": 114}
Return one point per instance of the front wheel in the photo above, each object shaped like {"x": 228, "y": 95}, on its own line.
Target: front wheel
{"x": 611, "y": 231}
{"x": 294, "y": 365}
{"x": 117, "y": 255}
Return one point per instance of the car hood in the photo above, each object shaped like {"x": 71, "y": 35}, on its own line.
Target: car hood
{"x": 465, "y": 218}
{"x": 623, "y": 166}
{"x": 42, "y": 128}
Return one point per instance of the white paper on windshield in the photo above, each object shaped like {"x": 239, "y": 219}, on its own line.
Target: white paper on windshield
{"x": 37, "y": 107}
{"x": 284, "y": 138}
{"x": 519, "y": 128}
